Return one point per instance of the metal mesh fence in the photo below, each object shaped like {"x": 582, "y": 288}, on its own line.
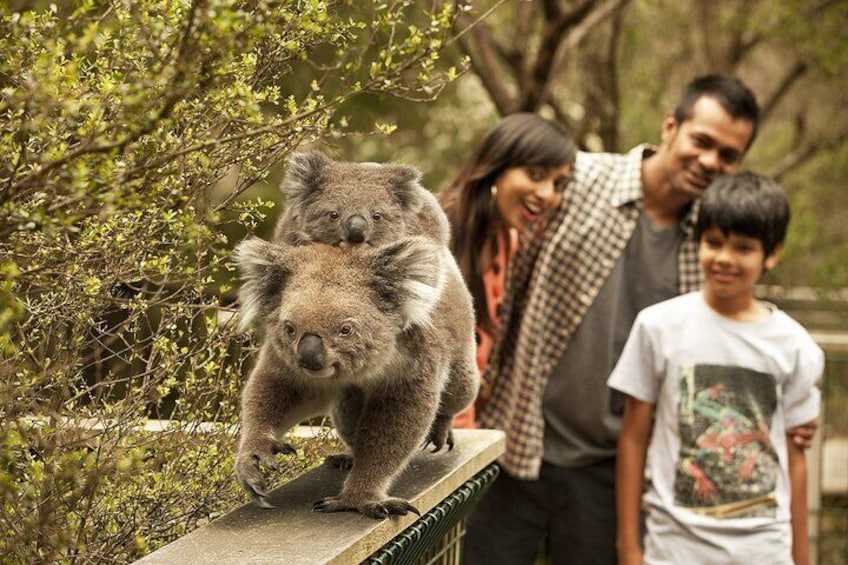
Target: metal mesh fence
{"x": 436, "y": 537}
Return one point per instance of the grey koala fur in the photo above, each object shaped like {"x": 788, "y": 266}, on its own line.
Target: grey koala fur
{"x": 344, "y": 203}
{"x": 382, "y": 338}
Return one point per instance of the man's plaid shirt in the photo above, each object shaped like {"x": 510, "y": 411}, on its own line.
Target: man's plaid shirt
{"x": 553, "y": 280}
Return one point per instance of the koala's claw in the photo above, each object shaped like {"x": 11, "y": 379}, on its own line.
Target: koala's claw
{"x": 283, "y": 448}
{"x": 377, "y": 510}
{"x": 249, "y": 473}
{"x": 444, "y": 441}
{"x": 340, "y": 460}
{"x": 398, "y": 506}
{"x": 439, "y": 437}
{"x": 331, "y": 504}
{"x": 261, "y": 501}
{"x": 257, "y": 492}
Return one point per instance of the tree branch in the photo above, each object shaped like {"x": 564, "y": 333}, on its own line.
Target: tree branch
{"x": 578, "y": 33}
{"x": 806, "y": 152}
{"x": 742, "y": 40}
{"x": 798, "y": 70}
{"x": 554, "y": 32}
{"x": 483, "y": 59}
{"x": 562, "y": 32}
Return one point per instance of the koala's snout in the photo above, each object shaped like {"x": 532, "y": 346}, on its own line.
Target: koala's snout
{"x": 310, "y": 352}
{"x": 355, "y": 229}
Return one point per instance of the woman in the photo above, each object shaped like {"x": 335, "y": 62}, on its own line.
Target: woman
{"x": 513, "y": 181}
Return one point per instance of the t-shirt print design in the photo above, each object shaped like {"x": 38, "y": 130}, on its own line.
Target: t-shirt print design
{"x": 727, "y": 466}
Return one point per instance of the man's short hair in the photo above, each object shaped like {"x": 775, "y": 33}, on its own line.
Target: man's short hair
{"x": 746, "y": 204}
{"x": 731, "y": 93}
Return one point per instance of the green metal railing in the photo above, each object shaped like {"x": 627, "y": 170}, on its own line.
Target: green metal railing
{"x": 832, "y": 540}
{"x": 437, "y": 536}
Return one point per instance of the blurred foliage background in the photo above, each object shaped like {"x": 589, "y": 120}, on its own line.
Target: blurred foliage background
{"x": 130, "y": 133}
{"x": 610, "y": 70}
{"x": 139, "y": 141}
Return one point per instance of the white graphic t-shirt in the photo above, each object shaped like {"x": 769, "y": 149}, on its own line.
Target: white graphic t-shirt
{"x": 724, "y": 394}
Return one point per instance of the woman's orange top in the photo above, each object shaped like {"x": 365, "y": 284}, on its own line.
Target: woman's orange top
{"x": 494, "y": 283}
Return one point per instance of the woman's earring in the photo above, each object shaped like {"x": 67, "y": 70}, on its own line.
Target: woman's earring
{"x": 494, "y": 192}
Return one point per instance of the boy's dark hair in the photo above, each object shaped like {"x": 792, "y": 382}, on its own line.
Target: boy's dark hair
{"x": 745, "y": 204}
{"x": 733, "y": 95}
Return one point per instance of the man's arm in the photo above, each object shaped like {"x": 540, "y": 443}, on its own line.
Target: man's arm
{"x": 798, "y": 502}
{"x": 630, "y": 472}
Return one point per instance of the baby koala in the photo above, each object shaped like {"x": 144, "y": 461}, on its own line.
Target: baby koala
{"x": 344, "y": 203}
{"x": 376, "y": 336}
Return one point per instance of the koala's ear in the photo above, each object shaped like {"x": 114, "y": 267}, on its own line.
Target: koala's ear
{"x": 264, "y": 268}
{"x": 405, "y": 182}
{"x": 409, "y": 276}
{"x": 304, "y": 174}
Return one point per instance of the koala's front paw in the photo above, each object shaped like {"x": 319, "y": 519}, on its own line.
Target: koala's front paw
{"x": 377, "y": 509}
{"x": 441, "y": 433}
{"x": 250, "y": 475}
{"x": 340, "y": 460}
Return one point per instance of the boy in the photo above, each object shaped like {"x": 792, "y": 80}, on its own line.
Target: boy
{"x": 714, "y": 379}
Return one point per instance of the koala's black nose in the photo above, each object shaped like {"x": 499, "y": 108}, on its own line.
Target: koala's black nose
{"x": 355, "y": 229}
{"x": 310, "y": 352}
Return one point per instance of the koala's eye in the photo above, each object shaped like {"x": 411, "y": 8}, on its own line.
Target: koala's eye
{"x": 346, "y": 329}
{"x": 334, "y": 215}
{"x": 376, "y": 216}
{"x": 289, "y": 329}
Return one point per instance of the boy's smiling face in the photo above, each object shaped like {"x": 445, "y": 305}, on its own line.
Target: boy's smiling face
{"x": 732, "y": 264}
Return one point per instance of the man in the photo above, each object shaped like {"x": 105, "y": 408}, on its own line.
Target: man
{"x": 622, "y": 240}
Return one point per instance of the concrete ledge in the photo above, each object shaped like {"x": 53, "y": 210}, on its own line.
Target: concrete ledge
{"x": 292, "y": 534}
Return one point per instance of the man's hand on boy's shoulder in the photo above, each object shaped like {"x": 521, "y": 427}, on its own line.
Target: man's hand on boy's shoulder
{"x": 803, "y": 435}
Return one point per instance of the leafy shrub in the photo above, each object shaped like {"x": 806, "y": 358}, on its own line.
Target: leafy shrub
{"x": 130, "y": 131}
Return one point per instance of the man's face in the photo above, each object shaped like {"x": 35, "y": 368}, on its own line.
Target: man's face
{"x": 708, "y": 144}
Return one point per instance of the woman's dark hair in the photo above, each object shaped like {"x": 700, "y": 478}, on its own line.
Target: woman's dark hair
{"x": 745, "y": 204}
{"x": 522, "y": 139}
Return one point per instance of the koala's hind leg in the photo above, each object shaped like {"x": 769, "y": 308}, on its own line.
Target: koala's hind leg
{"x": 460, "y": 391}
{"x": 346, "y": 415}
{"x": 441, "y": 434}
{"x": 391, "y": 427}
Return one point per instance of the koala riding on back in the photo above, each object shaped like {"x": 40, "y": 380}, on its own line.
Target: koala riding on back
{"x": 344, "y": 203}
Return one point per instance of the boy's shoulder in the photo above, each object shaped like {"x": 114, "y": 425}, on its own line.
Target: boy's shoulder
{"x": 791, "y": 327}
{"x": 671, "y": 309}
{"x": 782, "y": 316}
{"x": 669, "y": 318}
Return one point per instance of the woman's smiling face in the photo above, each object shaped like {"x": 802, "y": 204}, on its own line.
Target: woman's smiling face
{"x": 529, "y": 192}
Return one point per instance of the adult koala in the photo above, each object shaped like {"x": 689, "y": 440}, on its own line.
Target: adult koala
{"x": 344, "y": 203}
{"x": 378, "y": 337}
